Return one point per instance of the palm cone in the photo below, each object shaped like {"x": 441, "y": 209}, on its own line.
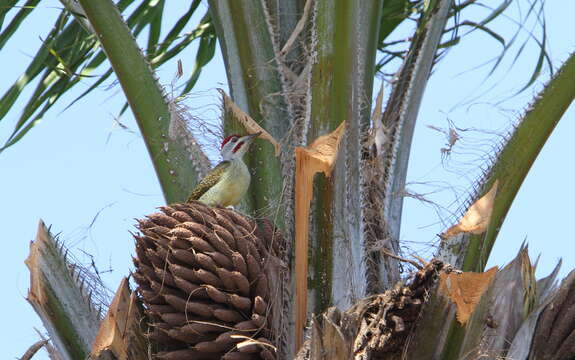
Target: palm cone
{"x": 200, "y": 275}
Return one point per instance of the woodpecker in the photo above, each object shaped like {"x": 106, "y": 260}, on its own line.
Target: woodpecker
{"x": 227, "y": 183}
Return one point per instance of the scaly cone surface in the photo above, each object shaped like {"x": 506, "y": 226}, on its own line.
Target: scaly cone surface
{"x": 203, "y": 276}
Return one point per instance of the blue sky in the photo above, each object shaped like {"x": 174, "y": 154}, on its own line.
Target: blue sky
{"x": 88, "y": 178}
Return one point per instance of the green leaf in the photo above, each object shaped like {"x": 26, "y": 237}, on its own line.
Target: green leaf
{"x": 205, "y": 53}
{"x": 24, "y": 11}
{"x": 397, "y": 11}
{"x": 174, "y": 33}
{"x": 171, "y": 158}
{"x": 69, "y": 54}
{"x": 393, "y": 14}
{"x": 36, "y": 66}
{"x": 471, "y": 251}
{"x": 155, "y": 24}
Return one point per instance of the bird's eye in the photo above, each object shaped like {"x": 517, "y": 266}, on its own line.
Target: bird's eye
{"x": 234, "y": 139}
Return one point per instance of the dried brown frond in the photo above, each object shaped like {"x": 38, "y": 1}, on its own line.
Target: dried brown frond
{"x": 247, "y": 122}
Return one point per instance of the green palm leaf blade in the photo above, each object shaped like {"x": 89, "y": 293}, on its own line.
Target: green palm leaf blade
{"x": 24, "y": 11}
{"x": 70, "y": 54}
{"x": 174, "y": 33}
{"x": 471, "y": 251}
{"x": 36, "y": 66}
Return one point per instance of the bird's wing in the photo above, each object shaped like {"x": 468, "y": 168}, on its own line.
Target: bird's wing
{"x": 209, "y": 180}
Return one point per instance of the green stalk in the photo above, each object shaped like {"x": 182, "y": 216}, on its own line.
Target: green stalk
{"x": 471, "y": 252}
{"x": 403, "y": 107}
{"x": 341, "y": 88}
{"x": 176, "y": 173}
{"x": 256, "y": 87}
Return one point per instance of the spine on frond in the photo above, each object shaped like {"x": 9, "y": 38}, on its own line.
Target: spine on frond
{"x": 178, "y": 131}
{"x": 508, "y": 170}
{"x": 64, "y": 295}
{"x": 402, "y": 110}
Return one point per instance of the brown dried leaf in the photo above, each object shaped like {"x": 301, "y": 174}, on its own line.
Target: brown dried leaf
{"x": 378, "y": 135}
{"x": 477, "y": 217}
{"x": 320, "y": 156}
{"x": 248, "y": 123}
{"x": 465, "y": 290}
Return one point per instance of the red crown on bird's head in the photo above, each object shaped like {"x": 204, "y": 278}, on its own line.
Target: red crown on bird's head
{"x": 229, "y": 138}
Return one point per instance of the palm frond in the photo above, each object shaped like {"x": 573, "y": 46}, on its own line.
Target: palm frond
{"x": 70, "y": 54}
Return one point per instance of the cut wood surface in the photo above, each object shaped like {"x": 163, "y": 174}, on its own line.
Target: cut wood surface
{"x": 120, "y": 336}
{"x": 318, "y": 157}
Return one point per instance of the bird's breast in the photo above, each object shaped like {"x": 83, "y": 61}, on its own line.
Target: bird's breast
{"x": 232, "y": 186}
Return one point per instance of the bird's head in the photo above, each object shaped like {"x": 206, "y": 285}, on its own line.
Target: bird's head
{"x": 235, "y": 146}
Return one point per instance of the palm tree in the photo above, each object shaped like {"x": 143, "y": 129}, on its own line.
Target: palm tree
{"x": 304, "y": 72}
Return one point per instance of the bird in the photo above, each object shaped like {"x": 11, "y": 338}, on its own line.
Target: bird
{"x": 227, "y": 183}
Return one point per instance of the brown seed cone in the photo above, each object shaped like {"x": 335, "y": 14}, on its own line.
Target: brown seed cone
{"x": 200, "y": 276}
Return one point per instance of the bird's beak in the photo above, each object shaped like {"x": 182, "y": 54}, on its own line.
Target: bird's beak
{"x": 250, "y": 138}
